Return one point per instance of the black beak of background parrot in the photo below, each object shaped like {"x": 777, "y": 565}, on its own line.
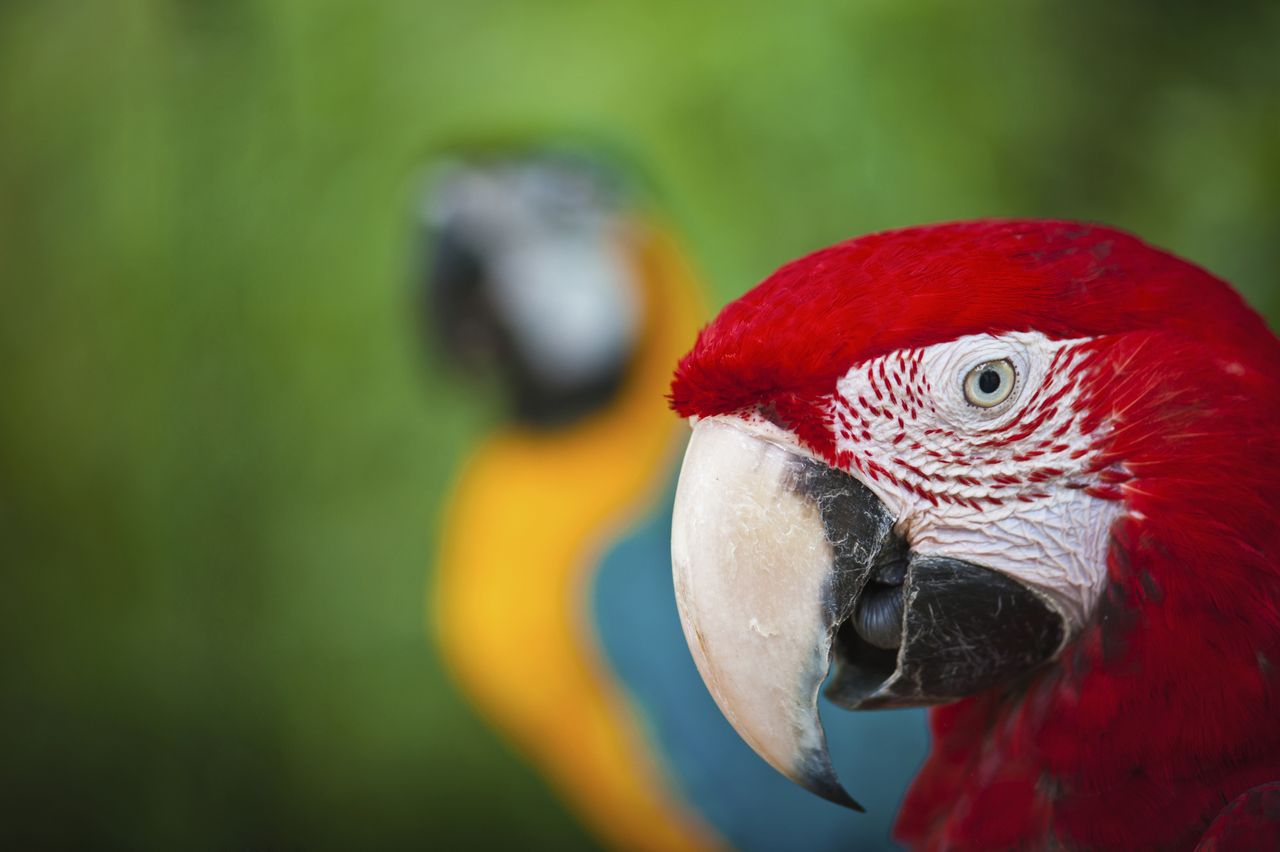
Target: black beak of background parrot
{"x": 455, "y": 304}
{"x": 902, "y": 629}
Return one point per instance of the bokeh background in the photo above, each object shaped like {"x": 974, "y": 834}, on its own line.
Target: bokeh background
{"x": 223, "y": 448}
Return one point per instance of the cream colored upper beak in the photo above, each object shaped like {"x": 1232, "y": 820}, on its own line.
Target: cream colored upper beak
{"x": 753, "y": 571}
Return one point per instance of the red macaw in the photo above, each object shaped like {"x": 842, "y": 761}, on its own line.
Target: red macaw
{"x": 1024, "y": 470}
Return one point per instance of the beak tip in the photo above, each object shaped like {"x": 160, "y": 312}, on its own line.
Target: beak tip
{"x": 821, "y": 780}
{"x": 840, "y": 797}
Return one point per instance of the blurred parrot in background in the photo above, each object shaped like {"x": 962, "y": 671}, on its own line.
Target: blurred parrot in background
{"x": 1025, "y": 470}
{"x": 552, "y": 600}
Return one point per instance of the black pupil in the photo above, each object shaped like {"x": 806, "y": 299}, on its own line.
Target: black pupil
{"x": 989, "y": 381}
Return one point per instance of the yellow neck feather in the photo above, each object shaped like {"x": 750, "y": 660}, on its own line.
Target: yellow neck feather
{"x": 528, "y": 519}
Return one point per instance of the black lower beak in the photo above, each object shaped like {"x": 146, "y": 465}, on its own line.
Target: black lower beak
{"x": 913, "y": 629}
{"x": 949, "y": 629}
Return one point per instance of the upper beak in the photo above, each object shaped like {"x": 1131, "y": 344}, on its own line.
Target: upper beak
{"x": 759, "y": 596}
{"x": 783, "y": 564}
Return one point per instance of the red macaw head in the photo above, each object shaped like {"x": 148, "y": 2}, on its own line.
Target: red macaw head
{"x": 1028, "y": 461}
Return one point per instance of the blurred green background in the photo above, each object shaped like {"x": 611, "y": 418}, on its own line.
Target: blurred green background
{"x": 222, "y": 449}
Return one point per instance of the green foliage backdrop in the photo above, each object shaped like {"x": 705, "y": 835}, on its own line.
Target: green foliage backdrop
{"x": 221, "y": 453}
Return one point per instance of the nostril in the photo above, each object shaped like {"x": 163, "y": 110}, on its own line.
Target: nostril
{"x": 770, "y": 412}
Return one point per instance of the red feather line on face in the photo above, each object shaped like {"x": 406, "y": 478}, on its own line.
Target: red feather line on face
{"x": 1166, "y": 705}
{"x": 961, "y": 467}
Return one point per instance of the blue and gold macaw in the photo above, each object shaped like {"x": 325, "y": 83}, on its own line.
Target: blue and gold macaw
{"x": 552, "y": 596}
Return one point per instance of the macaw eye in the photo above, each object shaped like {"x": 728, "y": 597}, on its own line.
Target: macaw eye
{"x": 989, "y": 384}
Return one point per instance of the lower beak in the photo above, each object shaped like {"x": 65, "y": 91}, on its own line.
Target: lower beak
{"x": 783, "y": 564}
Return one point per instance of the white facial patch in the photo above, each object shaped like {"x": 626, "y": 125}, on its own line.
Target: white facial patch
{"x": 1016, "y": 487}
